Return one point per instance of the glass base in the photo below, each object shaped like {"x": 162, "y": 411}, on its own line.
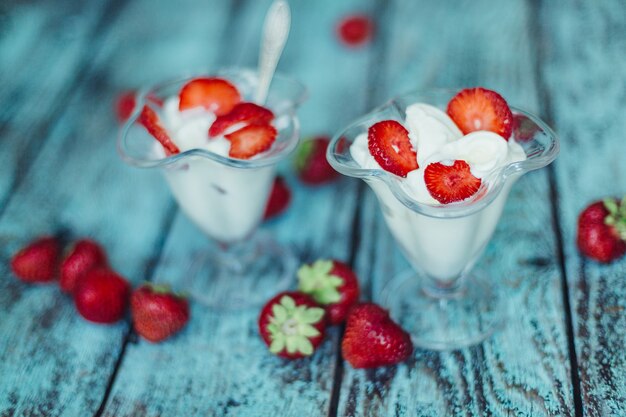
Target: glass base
{"x": 442, "y": 318}
{"x": 242, "y": 275}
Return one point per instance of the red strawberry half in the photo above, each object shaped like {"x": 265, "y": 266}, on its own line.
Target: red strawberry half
{"x": 602, "y": 230}
{"x": 292, "y": 325}
{"x": 82, "y": 258}
{"x": 249, "y": 113}
{"x": 214, "y": 94}
{"x": 311, "y": 163}
{"x": 251, "y": 140}
{"x": 279, "y": 198}
{"x": 332, "y": 284}
{"x": 157, "y": 312}
{"x": 38, "y": 261}
{"x": 150, "y": 120}
{"x": 388, "y": 142}
{"x": 355, "y": 30}
{"x": 372, "y": 339}
{"x": 477, "y": 108}
{"x": 448, "y": 184}
{"x": 102, "y": 296}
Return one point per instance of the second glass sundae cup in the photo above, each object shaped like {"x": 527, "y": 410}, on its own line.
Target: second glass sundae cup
{"x": 442, "y": 302}
{"x": 225, "y": 197}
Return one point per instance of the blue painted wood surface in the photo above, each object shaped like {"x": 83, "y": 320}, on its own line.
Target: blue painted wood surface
{"x": 561, "y": 353}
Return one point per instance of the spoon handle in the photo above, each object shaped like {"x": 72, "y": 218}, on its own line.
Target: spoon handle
{"x": 275, "y": 32}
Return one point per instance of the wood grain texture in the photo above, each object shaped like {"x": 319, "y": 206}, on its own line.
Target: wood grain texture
{"x": 218, "y": 365}
{"x": 524, "y": 369}
{"x": 51, "y": 361}
{"x": 44, "y": 49}
{"x": 584, "y": 72}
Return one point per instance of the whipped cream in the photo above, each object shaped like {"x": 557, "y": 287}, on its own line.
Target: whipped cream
{"x": 437, "y": 139}
{"x": 443, "y": 248}
{"x": 189, "y": 128}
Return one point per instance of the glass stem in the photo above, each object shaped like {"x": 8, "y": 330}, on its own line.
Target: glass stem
{"x": 444, "y": 289}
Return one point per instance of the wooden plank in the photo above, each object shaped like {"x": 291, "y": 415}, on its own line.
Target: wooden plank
{"x": 51, "y": 361}
{"x": 584, "y": 75}
{"x": 523, "y": 370}
{"x": 44, "y": 50}
{"x": 218, "y": 365}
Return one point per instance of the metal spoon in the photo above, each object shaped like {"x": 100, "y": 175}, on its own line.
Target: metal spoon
{"x": 275, "y": 33}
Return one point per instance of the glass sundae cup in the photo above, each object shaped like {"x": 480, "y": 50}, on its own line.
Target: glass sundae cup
{"x": 225, "y": 197}
{"x": 442, "y": 302}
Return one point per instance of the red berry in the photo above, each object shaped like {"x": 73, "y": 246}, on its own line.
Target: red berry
{"x": 355, "y": 30}
{"x": 126, "y": 102}
{"x": 124, "y": 105}
{"x": 102, "y": 296}
{"x": 602, "y": 230}
{"x": 248, "y": 113}
{"x": 477, "y": 108}
{"x": 388, "y": 142}
{"x": 82, "y": 258}
{"x": 448, "y": 184}
{"x": 311, "y": 163}
{"x": 372, "y": 339}
{"x": 524, "y": 128}
{"x": 38, "y": 261}
{"x": 157, "y": 312}
{"x": 292, "y": 325}
{"x": 279, "y": 198}
{"x": 214, "y": 94}
{"x": 150, "y": 120}
{"x": 251, "y": 140}
{"x": 333, "y": 285}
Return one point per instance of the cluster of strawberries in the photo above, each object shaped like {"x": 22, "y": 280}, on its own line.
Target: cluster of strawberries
{"x": 100, "y": 294}
{"x": 293, "y": 324}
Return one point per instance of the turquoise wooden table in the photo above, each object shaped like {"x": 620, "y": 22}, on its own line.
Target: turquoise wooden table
{"x": 62, "y": 64}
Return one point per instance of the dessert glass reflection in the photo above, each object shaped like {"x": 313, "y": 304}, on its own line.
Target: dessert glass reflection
{"x": 442, "y": 302}
{"x": 224, "y": 197}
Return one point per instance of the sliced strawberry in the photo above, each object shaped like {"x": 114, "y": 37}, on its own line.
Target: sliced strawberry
{"x": 477, "y": 108}
{"x": 214, "y": 94}
{"x": 242, "y": 113}
{"x": 251, "y": 140}
{"x": 448, "y": 184}
{"x": 389, "y": 143}
{"x": 150, "y": 120}
{"x": 355, "y": 30}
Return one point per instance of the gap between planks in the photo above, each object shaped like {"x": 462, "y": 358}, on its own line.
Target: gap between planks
{"x": 374, "y": 78}
{"x": 536, "y": 29}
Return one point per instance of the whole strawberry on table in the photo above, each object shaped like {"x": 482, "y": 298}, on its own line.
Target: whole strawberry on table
{"x": 602, "y": 230}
